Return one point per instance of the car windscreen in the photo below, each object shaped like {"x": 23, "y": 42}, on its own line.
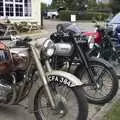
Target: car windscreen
{"x": 115, "y": 19}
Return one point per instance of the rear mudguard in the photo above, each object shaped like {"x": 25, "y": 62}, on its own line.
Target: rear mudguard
{"x": 93, "y": 59}
{"x": 66, "y": 78}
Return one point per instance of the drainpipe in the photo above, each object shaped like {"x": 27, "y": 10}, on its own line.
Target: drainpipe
{"x": 42, "y": 16}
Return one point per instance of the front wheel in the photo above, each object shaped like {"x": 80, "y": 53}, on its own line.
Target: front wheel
{"x": 70, "y": 103}
{"x": 106, "y": 85}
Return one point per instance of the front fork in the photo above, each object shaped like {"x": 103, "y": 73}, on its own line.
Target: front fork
{"x": 43, "y": 77}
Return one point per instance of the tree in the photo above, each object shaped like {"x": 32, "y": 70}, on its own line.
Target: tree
{"x": 92, "y": 4}
{"x": 43, "y": 6}
{"x": 69, "y": 4}
{"x": 57, "y": 3}
{"x": 115, "y": 5}
{"x": 76, "y": 4}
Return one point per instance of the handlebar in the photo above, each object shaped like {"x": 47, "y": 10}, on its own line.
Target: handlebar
{"x": 15, "y": 41}
{"x": 23, "y": 42}
{"x": 2, "y": 38}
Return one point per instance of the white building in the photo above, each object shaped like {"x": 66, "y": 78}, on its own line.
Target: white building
{"x": 20, "y": 10}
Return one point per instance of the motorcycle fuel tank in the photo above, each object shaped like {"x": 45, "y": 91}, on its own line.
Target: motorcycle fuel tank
{"x": 64, "y": 49}
{"x": 20, "y": 57}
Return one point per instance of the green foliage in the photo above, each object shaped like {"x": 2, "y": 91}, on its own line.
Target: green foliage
{"x": 57, "y": 3}
{"x": 65, "y": 15}
{"x": 69, "y": 4}
{"x": 92, "y": 4}
{"x": 43, "y": 6}
{"x": 114, "y": 113}
{"x": 93, "y": 15}
{"x": 115, "y": 5}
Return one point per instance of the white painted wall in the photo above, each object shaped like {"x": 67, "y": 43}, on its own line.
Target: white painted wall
{"x": 36, "y": 13}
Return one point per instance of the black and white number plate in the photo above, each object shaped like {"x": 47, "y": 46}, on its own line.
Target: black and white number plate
{"x": 60, "y": 79}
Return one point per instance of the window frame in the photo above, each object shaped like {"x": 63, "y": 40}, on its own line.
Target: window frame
{"x": 8, "y": 6}
{"x": 14, "y": 9}
{"x": 2, "y": 9}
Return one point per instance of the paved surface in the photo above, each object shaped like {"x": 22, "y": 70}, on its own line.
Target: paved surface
{"x": 19, "y": 112}
{"x": 51, "y": 25}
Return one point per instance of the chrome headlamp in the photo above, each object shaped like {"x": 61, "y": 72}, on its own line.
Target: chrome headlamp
{"x": 48, "y": 48}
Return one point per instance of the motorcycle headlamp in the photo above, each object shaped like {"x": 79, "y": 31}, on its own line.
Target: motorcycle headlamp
{"x": 48, "y": 48}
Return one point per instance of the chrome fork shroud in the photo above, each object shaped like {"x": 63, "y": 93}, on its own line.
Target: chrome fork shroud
{"x": 42, "y": 76}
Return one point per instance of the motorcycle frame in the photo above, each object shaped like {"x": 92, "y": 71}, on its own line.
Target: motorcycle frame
{"x": 42, "y": 80}
{"x": 83, "y": 59}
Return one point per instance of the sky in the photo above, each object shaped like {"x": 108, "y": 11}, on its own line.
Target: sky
{"x": 47, "y": 1}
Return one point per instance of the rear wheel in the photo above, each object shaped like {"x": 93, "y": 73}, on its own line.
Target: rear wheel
{"x": 70, "y": 103}
{"x": 106, "y": 85}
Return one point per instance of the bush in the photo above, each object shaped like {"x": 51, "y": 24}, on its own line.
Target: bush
{"x": 65, "y": 15}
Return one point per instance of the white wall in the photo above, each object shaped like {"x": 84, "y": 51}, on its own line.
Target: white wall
{"x": 36, "y": 13}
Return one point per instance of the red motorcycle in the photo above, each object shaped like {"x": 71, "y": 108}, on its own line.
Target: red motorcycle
{"x": 95, "y": 36}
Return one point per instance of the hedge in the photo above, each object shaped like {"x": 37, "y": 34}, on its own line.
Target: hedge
{"x": 65, "y": 15}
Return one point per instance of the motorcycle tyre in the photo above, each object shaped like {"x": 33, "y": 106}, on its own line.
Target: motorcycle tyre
{"x": 82, "y": 101}
{"x": 79, "y": 72}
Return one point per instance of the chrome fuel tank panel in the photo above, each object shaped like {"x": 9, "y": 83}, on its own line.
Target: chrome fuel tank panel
{"x": 64, "y": 49}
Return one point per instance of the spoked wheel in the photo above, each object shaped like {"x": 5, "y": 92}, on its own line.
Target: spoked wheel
{"x": 106, "y": 83}
{"x": 118, "y": 56}
{"x": 70, "y": 103}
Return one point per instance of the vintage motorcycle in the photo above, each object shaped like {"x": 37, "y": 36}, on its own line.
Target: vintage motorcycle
{"x": 59, "y": 93}
{"x": 101, "y": 82}
{"x": 103, "y": 44}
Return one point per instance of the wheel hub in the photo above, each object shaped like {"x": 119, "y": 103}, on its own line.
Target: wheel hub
{"x": 61, "y": 106}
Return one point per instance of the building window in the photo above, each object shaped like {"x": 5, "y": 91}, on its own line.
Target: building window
{"x": 19, "y": 10}
{"x": 27, "y": 4}
{"x": 9, "y": 9}
{"x": 15, "y": 8}
{"x": 1, "y": 8}
{"x": 18, "y": 0}
{"x": 9, "y": 0}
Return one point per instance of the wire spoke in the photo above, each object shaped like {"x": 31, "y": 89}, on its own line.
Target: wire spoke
{"x": 62, "y": 92}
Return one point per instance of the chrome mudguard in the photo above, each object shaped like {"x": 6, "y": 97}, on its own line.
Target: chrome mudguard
{"x": 66, "y": 78}
{"x": 73, "y": 79}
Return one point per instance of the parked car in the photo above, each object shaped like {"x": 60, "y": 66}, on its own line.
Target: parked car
{"x": 52, "y": 14}
{"x": 113, "y": 22}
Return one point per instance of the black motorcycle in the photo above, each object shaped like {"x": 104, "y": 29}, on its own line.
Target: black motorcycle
{"x": 99, "y": 77}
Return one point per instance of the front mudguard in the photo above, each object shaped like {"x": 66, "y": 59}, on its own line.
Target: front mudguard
{"x": 65, "y": 76}
{"x": 94, "y": 59}
{"x": 73, "y": 81}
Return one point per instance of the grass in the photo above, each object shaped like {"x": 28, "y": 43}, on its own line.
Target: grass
{"x": 114, "y": 113}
